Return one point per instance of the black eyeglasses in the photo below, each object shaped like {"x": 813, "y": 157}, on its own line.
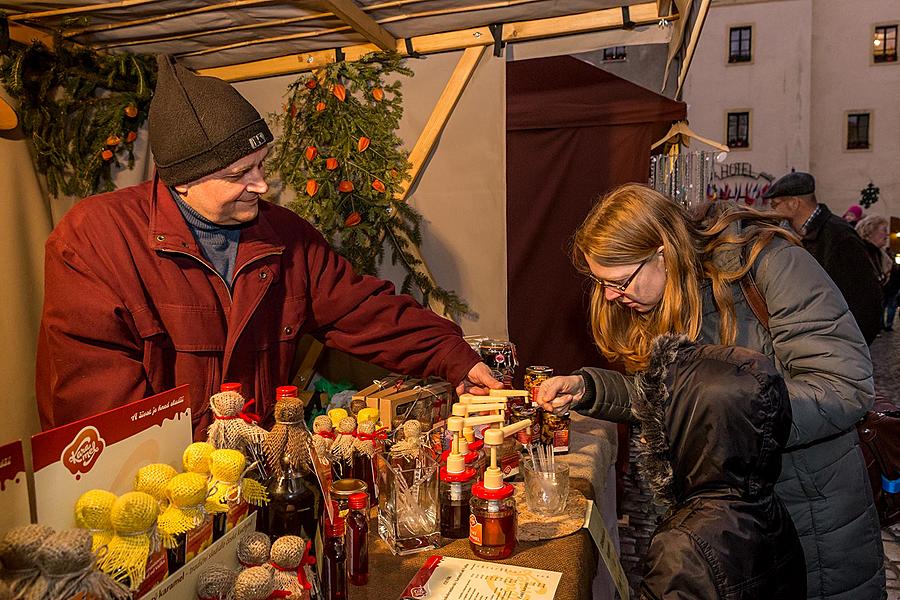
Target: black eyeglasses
{"x": 624, "y": 285}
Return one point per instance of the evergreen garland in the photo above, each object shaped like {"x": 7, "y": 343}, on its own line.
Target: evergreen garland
{"x": 82, "y": 110}
{"x": 339, "y": 151}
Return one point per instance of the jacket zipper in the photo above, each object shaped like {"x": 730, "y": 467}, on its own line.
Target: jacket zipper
{"x": 217, "y": 274}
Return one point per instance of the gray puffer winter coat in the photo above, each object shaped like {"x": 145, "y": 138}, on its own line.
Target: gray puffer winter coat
{"x": 819, "y": 350}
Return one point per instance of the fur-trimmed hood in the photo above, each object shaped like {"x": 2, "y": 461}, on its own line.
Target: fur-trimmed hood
{"x": 714, "y": 420}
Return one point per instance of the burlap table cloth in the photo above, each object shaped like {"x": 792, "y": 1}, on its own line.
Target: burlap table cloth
{"x": 574, "y": 556}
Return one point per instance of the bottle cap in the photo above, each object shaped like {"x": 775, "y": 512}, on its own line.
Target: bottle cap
{"x": 358, "y": 501}
{"x": 285, "y": 391}
{"x": 230, "y": 387}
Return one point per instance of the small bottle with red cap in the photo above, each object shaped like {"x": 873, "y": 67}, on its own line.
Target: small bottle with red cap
{"x": 358, "y": 539}
{"x": 334, "y": 559}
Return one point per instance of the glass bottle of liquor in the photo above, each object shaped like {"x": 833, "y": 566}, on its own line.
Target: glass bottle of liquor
{"x": 295, "y": 501}
{"x": 334, "y": 559}
{"x": 358, "y": 539}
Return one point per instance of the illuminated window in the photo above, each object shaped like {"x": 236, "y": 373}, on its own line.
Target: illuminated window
{"x": 884, "y": 45}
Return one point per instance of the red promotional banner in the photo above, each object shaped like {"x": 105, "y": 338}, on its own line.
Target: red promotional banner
{"x": 13, "y": 487}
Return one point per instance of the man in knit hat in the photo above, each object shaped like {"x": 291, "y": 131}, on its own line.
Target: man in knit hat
{"x": 193, "y": 278}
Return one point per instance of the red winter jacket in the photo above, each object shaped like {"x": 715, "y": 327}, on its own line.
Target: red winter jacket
{"x": 132, "y": 308}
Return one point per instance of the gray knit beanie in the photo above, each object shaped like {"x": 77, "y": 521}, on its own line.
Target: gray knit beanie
{"x": 199, "y": 125}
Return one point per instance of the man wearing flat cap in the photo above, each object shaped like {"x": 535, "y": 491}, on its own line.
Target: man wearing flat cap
{"x": 193, "y": 278}
{"x": 834, "y": 244}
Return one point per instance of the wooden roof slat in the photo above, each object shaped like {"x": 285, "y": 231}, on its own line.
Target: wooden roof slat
{"x": 74, "y": 10}
{"x": 363, "y": 24}
{"x": 279, "y": 38}
{"x": 163, "y": 17}
{"x": 610, "y": 18}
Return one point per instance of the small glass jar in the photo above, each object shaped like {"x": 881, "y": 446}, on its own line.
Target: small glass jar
{"x": 492, "y": 524}
{"x": 534, "y": 377}
{"x": 531, "y": 434}
{"x": 342, "y": 489}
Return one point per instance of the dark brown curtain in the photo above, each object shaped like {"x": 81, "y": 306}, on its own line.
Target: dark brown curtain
{"x": 573, "y": 133}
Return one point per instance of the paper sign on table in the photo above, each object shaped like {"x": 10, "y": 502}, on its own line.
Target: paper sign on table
{"x": 446, "y": 578}
{"x": 593, "y": 522}
{"x": 13, "y": 488}
{"x": 105, "y": 452}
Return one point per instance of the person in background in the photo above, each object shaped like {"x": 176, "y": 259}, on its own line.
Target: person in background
{"x": 714, "y": 421}
{"x": 657, "y": 270}
{"x": 854, "y": 214}
{"x": 192, "y": 278}
{"x": 834, "y": 244}
{"x": 875, "y": 232}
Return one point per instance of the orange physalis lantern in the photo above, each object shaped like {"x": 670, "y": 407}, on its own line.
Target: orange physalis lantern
{"x": 113, "y": 140}
{"x": 378, "y": 185}
{"x": 339, "y": 91}
{"x": 311, "y": 84}
{"x": 131, "y": 111}
{"x": 345, "y": 186}
{"x": 311, "y": 152}
{"x": 352, "y": 219}
{"x": 331, "y": 164}
{"x": 132, "y": 135}
{"x": 107, "y": 154}
{"x": 320, "y": 106}
{"x": 378, "y": 94}
{"x": 311, "y": 187}
{"x": 362, "y": 144}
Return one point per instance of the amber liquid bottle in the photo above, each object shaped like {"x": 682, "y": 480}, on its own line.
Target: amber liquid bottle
{"x": 334, "y": 559}
{"x": 295, "y": 501}
{"x": 358, "y": 540}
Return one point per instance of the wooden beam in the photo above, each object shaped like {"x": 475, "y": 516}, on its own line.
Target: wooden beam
{"x": 23, "y": 34}
{"x": 363, "y": 24}
{"x": 664, "y": 7}
{"x": 692, "y": 45}
{"x": 280, "y": 38}
{"x": 78, "y": 9}
{"x": 461, "y": 75}
{"x": 641, "y": 14}
{"x": 162, "y": 17}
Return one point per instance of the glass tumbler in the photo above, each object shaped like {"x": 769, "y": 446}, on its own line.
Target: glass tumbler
{"x": 546, "y": 491}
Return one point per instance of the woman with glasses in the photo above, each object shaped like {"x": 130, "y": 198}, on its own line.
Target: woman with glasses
{"x": 657, "y": 270}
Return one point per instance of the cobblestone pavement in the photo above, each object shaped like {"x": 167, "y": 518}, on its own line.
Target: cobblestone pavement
{"x": 639, "y": 514}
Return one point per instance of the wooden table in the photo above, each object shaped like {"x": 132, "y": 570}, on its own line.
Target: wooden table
{"x": 574, "y": 556}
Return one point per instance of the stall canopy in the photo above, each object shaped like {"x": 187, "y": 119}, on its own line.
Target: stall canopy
{"x": 247, "y": 39}
{"x": 573, "y": 133}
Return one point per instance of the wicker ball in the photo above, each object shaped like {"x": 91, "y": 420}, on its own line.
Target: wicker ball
{"x": 215, "y": 582}
{"x": 253, "y": 549}
{"x": 255, "y": 583}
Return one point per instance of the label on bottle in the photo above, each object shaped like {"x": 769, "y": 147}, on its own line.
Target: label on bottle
{"x": 198, "y": 539}
{"x": 237, "y": 512}
{"x": 156, "y": 571}
{"x": 323, "y": 476}
{"x": 474, "y": 530}
{"x": 561, "y": 440}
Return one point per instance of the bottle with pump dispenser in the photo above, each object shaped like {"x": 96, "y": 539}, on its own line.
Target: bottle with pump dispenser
{"x": 455, "y": 490}
{"x": 492, "y": 524}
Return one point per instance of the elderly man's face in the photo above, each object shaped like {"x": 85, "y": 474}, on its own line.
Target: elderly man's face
{"x": 785, "y": 206}
{"x": 229, "y": 196}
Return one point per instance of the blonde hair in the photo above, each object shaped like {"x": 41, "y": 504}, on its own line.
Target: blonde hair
{"x": 628, "y": 225}
{"x": 867, "y": 226}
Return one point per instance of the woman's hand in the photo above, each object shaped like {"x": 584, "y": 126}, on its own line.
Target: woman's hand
{"x": 478, "y": 381}
{"x": 556, "y": 393}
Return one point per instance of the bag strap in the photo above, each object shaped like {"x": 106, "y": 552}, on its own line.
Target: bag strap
{"x": 755, "y": 299}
